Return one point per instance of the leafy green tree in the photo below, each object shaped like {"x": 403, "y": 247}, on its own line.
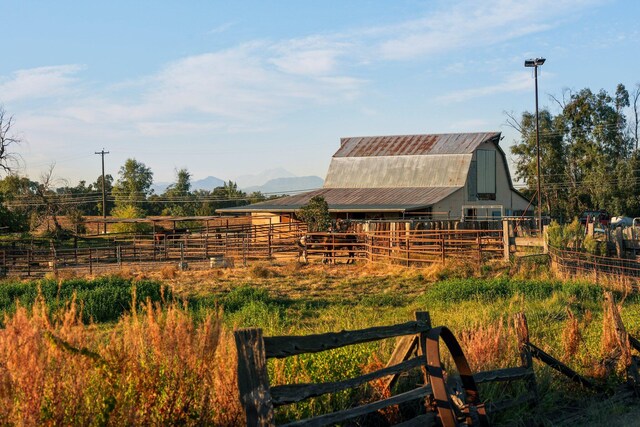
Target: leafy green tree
{"x": 17, "y": 202}
{"x": 134, "y": 185}
{"x": 129, "y": 212}
{"x": 587, "y": 156}
{"x": 552, "y": 158}
{"x": 179, "y": 200}
{"x": 315, "y": 214}
{"x": 228, "y": 196}
{"x": 96, "y": 187}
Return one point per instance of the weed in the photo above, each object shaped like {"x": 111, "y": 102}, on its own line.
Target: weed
{"x": 168, "y": 272}
{"x": 244, "y": 295}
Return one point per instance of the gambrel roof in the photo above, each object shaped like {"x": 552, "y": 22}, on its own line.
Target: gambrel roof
{"x": 390, "y": 173}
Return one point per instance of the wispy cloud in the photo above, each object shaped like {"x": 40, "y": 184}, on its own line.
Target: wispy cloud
{"x": 221, "y": 28}
{"x": 520, "y": 81}
{"x": 311, "y": 56}
{"x": 473, "y": 23}
{"x": 41, "y": 82}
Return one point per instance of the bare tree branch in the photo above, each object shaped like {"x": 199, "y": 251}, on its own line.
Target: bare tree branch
{"x": 636, "y": 100}
{"x": 9, "y": 161}
{"x": 513, "y": 122}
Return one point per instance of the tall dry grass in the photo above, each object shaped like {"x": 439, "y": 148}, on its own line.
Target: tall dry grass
{"x": 155, "y": 367}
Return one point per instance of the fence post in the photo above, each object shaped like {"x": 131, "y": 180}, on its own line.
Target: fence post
{"x": 119, "y": 255}
{"x": 253, "y": 381}
{"x": 479, "y": 242}
{"x": 615, "y": 336}
{"x": 545, "y": 239}
{"x": 526, "y": 360}
{"x": 90, "y": 262}
{"x": 422, "y": 341}
{"x": 245, "y": 244}
{"x": 408, "y": 252}
{"x": 442, "y": 242}
{"x": 269, "y": 238}
{"x": 53, "y": 258}
{"x": 28, "y": 262}
{"x": 206, "y": 241}
{"x": 505, "y": 239}
{"x": 182, "y": 256}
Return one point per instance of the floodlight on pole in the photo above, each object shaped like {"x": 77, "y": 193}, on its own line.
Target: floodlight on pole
{"x": 535, "y": 63}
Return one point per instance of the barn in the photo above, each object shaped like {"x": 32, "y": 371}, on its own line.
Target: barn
{"x": 461, "y": 175}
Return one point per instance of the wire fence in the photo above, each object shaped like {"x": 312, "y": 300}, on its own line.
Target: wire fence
{"x": 582, "y": 263}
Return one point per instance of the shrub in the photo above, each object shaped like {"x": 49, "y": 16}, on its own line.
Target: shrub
{"x": 159, "y": 367}
{"x": 244, "y": 295}
{"x": 384, "y": 300}
{"x": 130, "y": 212}
{"x": 104, "y": 299}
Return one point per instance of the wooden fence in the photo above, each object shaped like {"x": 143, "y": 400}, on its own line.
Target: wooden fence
{"x": 243, "y": 243}
{"x": 434, "y": 401}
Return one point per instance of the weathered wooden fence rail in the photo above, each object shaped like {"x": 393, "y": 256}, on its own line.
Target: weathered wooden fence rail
{"x": 417, "y": 347}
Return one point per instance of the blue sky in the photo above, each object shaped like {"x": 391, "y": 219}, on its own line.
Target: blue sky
{"x": 233, "y": 88}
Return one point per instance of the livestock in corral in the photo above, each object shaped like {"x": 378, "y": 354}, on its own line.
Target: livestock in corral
{"x": 329, "y": 245}
{"x": 159, "y": 236}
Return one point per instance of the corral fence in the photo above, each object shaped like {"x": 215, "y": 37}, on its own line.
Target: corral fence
{"x": 239, "y": 244}
{"x": 218, "y": 245}
{"x": 583, "y": 263}
{"x": 437, "y": 397}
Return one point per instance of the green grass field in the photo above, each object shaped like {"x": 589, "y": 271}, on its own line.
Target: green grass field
{"x": 141, "y": 355}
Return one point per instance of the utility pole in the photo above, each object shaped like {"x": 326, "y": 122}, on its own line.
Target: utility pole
{"x": 104, "y": 193}
{"x": 535, "y": 63}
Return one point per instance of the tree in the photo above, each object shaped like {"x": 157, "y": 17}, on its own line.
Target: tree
{"x": 8, "y": 160}
{"x": 586, "y": 154}
{"x": 17, "y": 202}
{"x": 552, "y": 157}
{"x": 133, "y": 185}
{"x": 179, "y": 200}
{"x": 228, "y": 196}
{"x": 635, "y": 124}
{"x": 315, "y": 214}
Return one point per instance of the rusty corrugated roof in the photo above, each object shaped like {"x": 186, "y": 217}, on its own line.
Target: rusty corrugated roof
{"x": 408, "y": 145}
{"x": 356, "y": 200}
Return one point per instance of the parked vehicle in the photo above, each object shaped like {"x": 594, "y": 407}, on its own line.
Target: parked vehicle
{"x": 621, "y": 221}
{"x": 601, "y": 217}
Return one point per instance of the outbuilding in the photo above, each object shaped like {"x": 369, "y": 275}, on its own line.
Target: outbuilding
{"x": 453, "y": 176}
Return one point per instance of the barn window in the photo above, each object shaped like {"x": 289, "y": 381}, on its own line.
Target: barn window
{"x": 486, "y": 174}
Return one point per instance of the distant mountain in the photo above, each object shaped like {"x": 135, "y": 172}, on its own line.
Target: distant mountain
{"x": 159, "y": 187}
{"x": 261, "y": 178}
{"x": 284, "y": 185}
{"x": 208, "y": 183}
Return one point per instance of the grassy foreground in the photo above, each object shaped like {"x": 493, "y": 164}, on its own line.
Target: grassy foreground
{"x": 165, "y": 356}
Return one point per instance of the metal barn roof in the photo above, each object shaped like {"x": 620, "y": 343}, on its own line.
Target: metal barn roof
{"x": 355, "y": 200}
{"x": 398, "y": 171}
{"x": 411, "y": 145}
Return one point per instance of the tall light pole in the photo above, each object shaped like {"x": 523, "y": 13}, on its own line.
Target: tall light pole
{"x": 535, "y": 63}
{"x": 104, "y": 193}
